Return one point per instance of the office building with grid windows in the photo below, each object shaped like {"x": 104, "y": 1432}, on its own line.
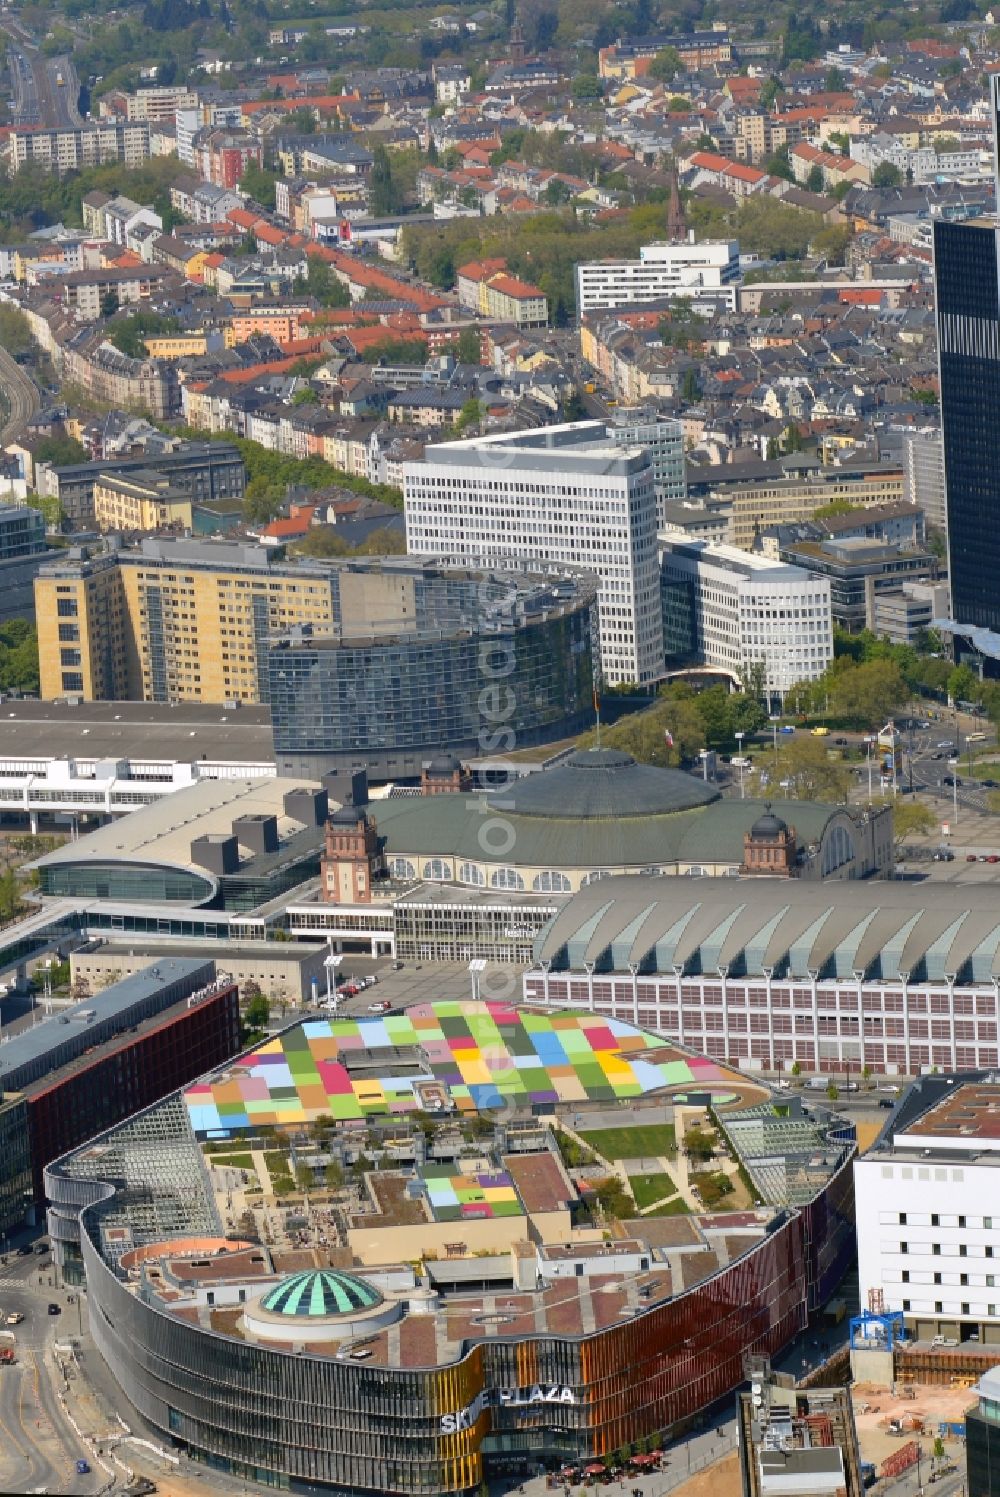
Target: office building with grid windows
{"x": 566, "y": 495}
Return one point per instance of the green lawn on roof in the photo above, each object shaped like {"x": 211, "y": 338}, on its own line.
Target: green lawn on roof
{"x": 648, "y": 1190}
{"x": 677, "y": 1206}
{"x": 631, "y": 1143}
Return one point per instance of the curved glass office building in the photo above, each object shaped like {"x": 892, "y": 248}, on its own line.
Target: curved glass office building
{"x": 428, "y": 657}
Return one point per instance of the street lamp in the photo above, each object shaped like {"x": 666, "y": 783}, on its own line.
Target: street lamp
{"x": 953, "y": 765}
{"x": 332, "y": 963}
{"x": 739, "y": 747}
{"x": 869, "y": 741}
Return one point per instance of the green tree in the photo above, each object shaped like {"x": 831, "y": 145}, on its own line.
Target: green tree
{"x": 10, "y": 894}
{"x": 911, "y": 819}
{"x": 815, "y": 181}
{"x": 690, "y": 386}
{"x": 471, "y": 414}
{"x": 870, "y": 693}
{"x": 334, "y": 1176}
{"x": 15, "y": 331}
{"x": 258, "y": 1009}
{"x": 381, "y": 191}
{"x": 258, "y": 184}
{"x": 964, "y": 684}
{"x": 887, "y": 175}
{"x": 834, "y": 81}
{"x": 262, "y": 501}
{"x": 587, "y": 86}
{"x": 129, "y": 333}
{"x": 665, "y": 65}
{"x": 305, "y": 396}
{"x": 778, "y": 165}
{"x": 321, "y": 282}
{"x": 769, "y": 93}
{"x": 644, "y": 734}
{"x": 468, "y": 348}
{"x": 60, "y": 452}
{"x": 832, "y": 242}
{"x": 803, "y": 761}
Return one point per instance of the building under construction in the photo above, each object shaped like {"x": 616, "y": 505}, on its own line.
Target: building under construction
{"x": 797, "y": 1442}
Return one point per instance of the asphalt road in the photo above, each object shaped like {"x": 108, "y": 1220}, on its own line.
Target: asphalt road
{"x": 24, "y": 100}
{"x": 20, "y": 397}
{"x": 38, "y": 1447}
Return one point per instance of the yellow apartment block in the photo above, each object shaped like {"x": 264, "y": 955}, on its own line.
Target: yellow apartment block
{"x": 788, "y": 500}
{"x": 177, "y": 346}
{"x": 140, "y": 501}
{"x": 177, "y": 620}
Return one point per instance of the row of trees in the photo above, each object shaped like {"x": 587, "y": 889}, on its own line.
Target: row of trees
{"x": 18, "y": 656}
{"x": 269, "y": 475}
{"x": 682, "y": 722}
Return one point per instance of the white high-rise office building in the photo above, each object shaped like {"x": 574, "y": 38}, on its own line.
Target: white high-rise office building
{"x": 663, "y": 436}
{"x": 704, "y": 273}
{"x": 563, "y": 494}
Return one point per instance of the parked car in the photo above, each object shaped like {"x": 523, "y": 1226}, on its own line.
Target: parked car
{"x": 970, "y": 857}
{"x": 82, "y": 1467}
{"x": 992, "y": 858}
{"x": 15, "y": 1317}
{"x": 841, "y": 742}
{"x": 786, "y": 728}
{"x": 819, "y": 732}
{"x": 887, "y": 1103}
{"x": 944, "y": 855}
{"x": 55, "y": 1309}
{"x": 381, "y": 1007}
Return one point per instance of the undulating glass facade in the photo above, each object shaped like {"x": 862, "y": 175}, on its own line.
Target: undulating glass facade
{"x": 311, "y": 1422}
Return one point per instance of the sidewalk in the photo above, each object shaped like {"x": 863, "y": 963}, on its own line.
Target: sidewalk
{"x": 681, "y": 1460}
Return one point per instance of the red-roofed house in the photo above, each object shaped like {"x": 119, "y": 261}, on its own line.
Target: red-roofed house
{"x": 298, "y": 524}
{"x": 510, "y": 300}
{"x": 469, "y": 278}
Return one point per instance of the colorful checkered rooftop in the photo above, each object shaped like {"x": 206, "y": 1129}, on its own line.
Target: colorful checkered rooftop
{"x": 485, "y": 1054}
{"x": 454, "y": 1197}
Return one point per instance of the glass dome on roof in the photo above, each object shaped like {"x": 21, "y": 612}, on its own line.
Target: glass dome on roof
{"x": 321, "y": 1291}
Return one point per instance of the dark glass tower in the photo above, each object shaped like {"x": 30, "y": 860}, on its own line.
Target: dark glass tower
{"x": 967, "y": 283}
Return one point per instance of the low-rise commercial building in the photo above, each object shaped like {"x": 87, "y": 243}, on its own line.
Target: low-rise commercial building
{"x": 858, "y": 570}
{"x": 106, "y": 1058}
{"x": 832, "y": 978}
{"x": 232, "y": 844}
{"x": 927, "y": 1236}
{"x": 705, "y": 273}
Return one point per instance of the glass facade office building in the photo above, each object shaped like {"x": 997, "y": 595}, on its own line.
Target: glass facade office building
{"x": 968, "y": 315}
{"x": 473, "y": 663}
